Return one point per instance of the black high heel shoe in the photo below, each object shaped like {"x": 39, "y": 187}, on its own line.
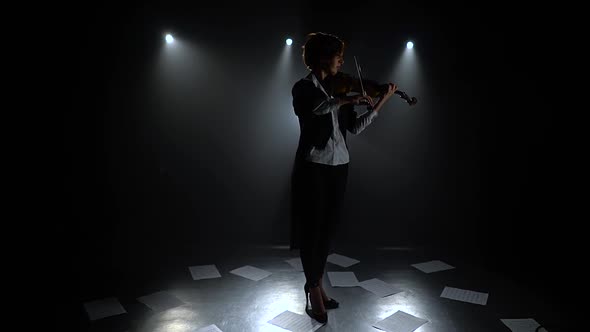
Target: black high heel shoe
{"x": 332, "y": 304}
{"x": 320, "y": 317}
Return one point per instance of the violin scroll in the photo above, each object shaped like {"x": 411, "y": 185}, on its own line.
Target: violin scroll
{"x": 411, "y": 101}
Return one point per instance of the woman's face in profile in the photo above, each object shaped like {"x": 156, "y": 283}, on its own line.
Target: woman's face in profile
{"x": 335, "y": 63}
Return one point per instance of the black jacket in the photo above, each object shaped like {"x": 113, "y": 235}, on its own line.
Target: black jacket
{"x": 316, "y": 129}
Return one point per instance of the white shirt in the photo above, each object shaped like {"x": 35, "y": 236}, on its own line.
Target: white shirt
{"x": 335, "y": 151}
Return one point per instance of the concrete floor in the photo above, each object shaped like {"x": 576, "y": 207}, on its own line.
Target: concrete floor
{"x": 234, "y": 303}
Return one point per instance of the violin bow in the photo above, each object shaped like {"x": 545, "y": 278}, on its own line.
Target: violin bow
{"x": 411, "y": 101}
{"x": 358, "y": 70}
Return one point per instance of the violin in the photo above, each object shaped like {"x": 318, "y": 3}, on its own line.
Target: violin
{"x": 344, "y": 83}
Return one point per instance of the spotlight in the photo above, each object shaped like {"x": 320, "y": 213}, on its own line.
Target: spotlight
{"x": 169, "y": 38}
{"x": 410, "y": 45}
{"x": 289, "y": 41}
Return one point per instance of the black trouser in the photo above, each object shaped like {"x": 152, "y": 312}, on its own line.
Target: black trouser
{"x": 319, "y": 191}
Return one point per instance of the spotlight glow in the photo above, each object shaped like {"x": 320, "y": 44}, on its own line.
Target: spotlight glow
{"x": 169, "y": 38}
{"x": 410, "y": 45}
{"x": 289, "y": 41}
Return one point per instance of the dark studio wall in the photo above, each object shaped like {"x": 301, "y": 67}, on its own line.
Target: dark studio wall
{"x": 160, "y": 164}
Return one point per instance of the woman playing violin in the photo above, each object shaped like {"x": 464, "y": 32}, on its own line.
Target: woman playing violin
{"x": 325, "y": 109}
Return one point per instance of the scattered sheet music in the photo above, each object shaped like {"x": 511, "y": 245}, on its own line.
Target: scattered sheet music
{"x": 295, "y": 322}
{"x": 465, "y": 295}
{"x": 204, "y": 272}
{"x": 342, "y": 260}
{"x": 400, "y": 322}
{"x": 103, "y": 308}
{"x": 160, "y": 301}
{"x": 250, "y": 272}
{"x": 379, "y": 287}
{"x": 522, "y": 325}
{"x": 433, "y": 266}
{"x": 210, "y": 328}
